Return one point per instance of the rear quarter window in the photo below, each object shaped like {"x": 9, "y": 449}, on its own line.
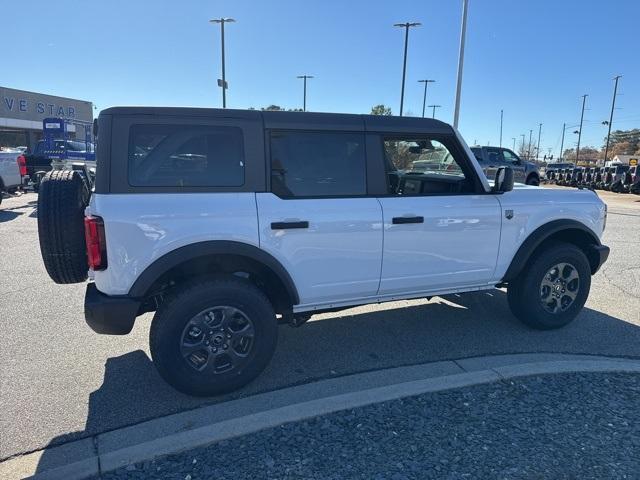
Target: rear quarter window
{"x": 185, "y": 156}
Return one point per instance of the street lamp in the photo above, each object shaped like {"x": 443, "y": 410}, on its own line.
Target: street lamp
{"x": 406, "y": 27}
{"x": 223, "y": 82}
{"x": 514, "y": 143}
{"x": 463, "y": 32}
{"x": 584, "y": 100}
{"x": 433, "y": 115}
{"x": 538, "y": 149}
{"x": 304, "y": 98}
{"x": 424, "y": 98}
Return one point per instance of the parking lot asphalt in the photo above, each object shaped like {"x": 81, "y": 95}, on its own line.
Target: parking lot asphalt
{"x": 59, "y": 381}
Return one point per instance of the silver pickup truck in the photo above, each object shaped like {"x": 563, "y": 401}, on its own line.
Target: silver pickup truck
{"x": 492, "y": 158}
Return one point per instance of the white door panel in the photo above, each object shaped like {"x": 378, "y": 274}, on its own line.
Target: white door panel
{"x": 337, "y": 257}
{"x": 455, "y": 244}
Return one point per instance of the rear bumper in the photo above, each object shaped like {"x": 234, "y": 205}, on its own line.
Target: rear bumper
{"x": 109, "y": 315}
{"x": 598, "y": 254}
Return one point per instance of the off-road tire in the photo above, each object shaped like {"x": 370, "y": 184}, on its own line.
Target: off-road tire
{"x": 62, "y": 198}
{"x": 523, "y": 294}
{"x": 186, "y": 302}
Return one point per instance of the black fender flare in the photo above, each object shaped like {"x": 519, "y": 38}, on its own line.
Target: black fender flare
{"x": 542, "y": 233}
{"x": 213, "y": 247}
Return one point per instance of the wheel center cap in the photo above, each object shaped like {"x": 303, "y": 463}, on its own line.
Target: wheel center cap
{"x": 217, "y": 339}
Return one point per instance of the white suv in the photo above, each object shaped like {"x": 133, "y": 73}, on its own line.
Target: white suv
{"x": 228, "y": 222}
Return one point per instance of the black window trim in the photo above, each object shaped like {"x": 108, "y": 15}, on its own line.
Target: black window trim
{"x": 270, "y": 131}
{"x": 112, "y": 175}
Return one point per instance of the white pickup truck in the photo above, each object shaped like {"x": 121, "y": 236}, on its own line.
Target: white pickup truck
{"x": 10, "y": 178}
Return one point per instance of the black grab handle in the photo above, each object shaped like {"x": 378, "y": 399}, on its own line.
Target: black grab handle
{"x": 285, "y": 225}
{"x": 402, "y": 220}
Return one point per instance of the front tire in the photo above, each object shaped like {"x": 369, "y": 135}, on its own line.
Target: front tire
{"x": 533, "y": 180}
{"x": 553, "y": 287}
{"x": 214, "y": 336}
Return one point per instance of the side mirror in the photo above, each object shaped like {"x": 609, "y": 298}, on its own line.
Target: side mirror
{"x": 504, "y": 180}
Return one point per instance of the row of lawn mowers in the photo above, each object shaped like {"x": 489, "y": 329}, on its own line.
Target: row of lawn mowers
{"x": 616, "y": 178}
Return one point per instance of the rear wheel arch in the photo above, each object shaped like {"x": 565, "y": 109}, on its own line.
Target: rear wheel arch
{"x": 569, "y": 231}
{"x": 219, "y": 257}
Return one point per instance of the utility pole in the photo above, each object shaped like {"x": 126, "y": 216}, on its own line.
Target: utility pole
{"x": 424, "y": 97}
{"x": 223, "y": 82}
{"x": 434, "y": 110}
{"x": 523, "y": 137}
{"x": 406, "y": 27}
{"x": 564, "y": 127}
{"x": 304, "y": 95}
{"x": 463, "y": 32}
{"x": 584, "y": 100}
{"x": 501, "y": 112}
{"x": 613, "y": 105}
{"x": 538, "y": 149}
{"x": 529, "y": 147}
{"x": 514, "y": 143}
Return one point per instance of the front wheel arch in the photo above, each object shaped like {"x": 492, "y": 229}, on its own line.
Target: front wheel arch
{"x": 569, "y": 231}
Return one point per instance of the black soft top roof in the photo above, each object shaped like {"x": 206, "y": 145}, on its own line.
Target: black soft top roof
{"x": 311, "y": 120}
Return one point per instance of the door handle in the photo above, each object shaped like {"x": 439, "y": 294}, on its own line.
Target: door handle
{"x": 286, "y": 225}
{"x": 403, "y": 220}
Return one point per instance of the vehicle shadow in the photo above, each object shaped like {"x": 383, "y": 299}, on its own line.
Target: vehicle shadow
{"x": 358, "y": 340}
{"x": 7, "y": 215}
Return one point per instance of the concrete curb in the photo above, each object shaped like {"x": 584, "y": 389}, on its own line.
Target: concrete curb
{"x": 206, "y": 425}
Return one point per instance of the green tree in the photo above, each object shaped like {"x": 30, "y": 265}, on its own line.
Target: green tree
{"x": 380, "y": 109}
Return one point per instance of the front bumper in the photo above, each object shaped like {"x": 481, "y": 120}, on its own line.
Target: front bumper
{"x": 109, "y": 315}
{"x": 598, "y": 254}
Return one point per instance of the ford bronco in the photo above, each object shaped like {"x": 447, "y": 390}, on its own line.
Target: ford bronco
{"x": 226, "y": 223}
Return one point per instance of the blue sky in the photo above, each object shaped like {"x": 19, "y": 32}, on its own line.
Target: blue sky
{"x": 534, "y": 58}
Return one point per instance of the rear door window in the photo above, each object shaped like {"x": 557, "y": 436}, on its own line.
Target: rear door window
{"x": 317, "y": 164}
{"x": 185, "y": 156}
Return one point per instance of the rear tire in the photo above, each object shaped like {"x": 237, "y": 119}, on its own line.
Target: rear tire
{"x": 195, "y": 345}
{"x": 545, "y": 300}
{"x": 62, "y": 198}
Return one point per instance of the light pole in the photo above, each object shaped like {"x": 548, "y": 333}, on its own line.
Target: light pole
{"x": 523, "y": 137}
{"x": 613, "y": 105}
{"x": 529, "y": 147}
{"x": 538, "y": 149}
{"x": 564, "y": 128}
{"x": 406, "y": 27}
{"x": 424, "y": 97}
{"x": 584, "y": 100}
{"x": 463, "y": 32}
{"x": 304, "y": 95}
{"x": 433, "y": 115}
{"x": 223, "y": 82}
{"x": 514, "y": 143}
{"x": 501, "y": 113}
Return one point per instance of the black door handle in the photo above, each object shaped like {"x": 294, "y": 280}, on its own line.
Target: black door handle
{"x": 285, "y": 225}
{"x": 402, "y": 220}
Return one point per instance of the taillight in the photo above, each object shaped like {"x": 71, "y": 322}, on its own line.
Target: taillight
{"x": 22, "y": 164}
{"x": 96, "y": 244}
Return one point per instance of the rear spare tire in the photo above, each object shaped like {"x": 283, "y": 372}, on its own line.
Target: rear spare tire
{"x": 62, "y": 198}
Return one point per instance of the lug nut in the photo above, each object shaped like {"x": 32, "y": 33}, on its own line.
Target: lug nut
{"x": 225, "y": 346}
{"x": 228, "y": 335}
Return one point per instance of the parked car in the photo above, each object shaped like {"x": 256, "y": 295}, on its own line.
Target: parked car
{"x": 226, "y": 222}
{"x": 607, "y": 178}
{"x": 10, "y": 179}
{"x": 553, "y": 169}
{"x": 632, "y": 185}
{"x": 588, "y": 177}
{"x": 604, "y": 172}
{"x": 492, "y": 158}
{"x": 618, "y": 173}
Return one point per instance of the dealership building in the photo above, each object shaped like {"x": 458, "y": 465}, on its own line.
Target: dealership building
{"x": 21, "y": 115}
